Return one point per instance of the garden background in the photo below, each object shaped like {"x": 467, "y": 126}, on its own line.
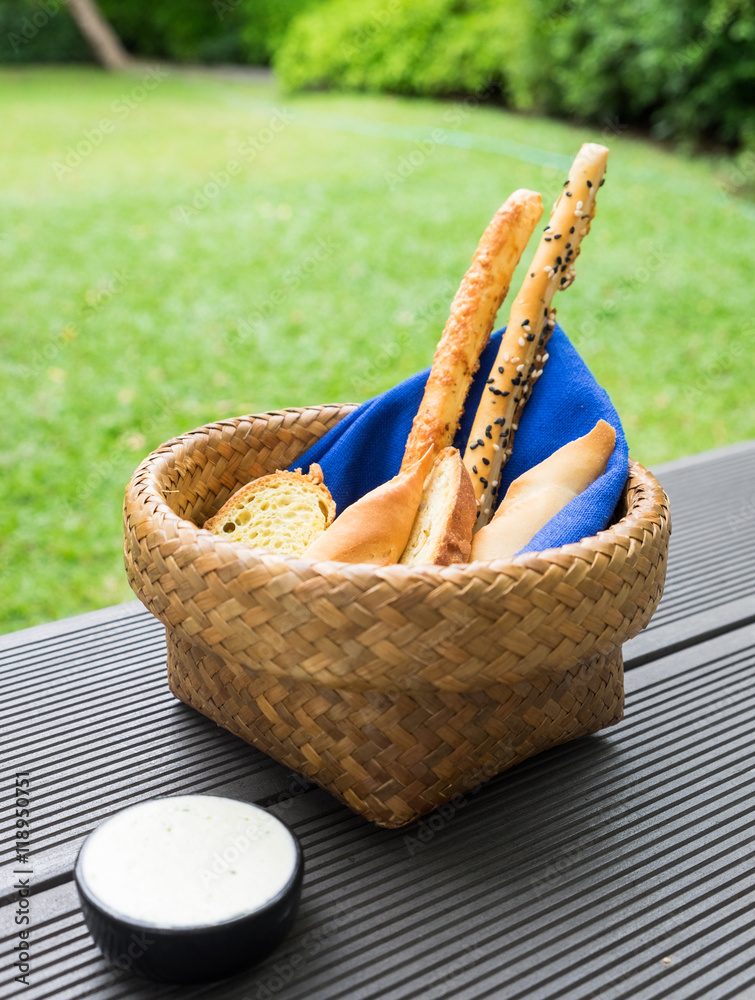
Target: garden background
{"x": 273, "y": 203}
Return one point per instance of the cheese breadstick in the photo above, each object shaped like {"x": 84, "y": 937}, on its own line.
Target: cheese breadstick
{"x": 537, "y": 495}
{"x": 468, "y": 328}
{"x": 522, "y": 354}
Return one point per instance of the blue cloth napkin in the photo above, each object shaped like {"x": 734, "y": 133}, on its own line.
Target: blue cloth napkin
{"x": 365, "y": 448}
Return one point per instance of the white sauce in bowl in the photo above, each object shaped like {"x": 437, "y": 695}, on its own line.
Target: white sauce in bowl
{"x": 188, "y": 861}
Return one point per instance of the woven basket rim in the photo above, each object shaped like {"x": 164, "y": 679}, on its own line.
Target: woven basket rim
{"x": 645, "y": 505}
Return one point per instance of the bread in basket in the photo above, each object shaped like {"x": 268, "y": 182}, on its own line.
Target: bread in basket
{"x": 398, "y": 687}
{"x": 394, "y": 688}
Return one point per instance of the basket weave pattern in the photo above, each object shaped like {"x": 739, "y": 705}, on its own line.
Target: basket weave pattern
{"x": 394, "y": 688}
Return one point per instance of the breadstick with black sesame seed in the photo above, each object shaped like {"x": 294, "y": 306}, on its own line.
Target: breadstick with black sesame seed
{"x": 473, "y": 313}
{"x": 522, "y": 354}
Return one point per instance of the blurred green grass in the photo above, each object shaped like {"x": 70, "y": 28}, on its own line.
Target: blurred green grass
{"x": 153, "y": 287}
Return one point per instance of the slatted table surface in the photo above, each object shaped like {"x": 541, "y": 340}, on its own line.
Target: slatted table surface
{"x": 710, "y": 586}
{"x": 618, "y": 866}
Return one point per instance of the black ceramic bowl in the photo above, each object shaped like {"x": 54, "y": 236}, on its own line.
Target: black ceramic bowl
{"x": 190, "y": 888}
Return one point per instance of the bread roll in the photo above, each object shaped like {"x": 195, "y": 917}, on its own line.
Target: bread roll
{"x": 376, "y": 528}
{"x": 473, "y": 312}
{"x": 442, "y": 530}
{"x": 283, "y": 512}
{"x": 539, "y": 494}
{"x": 522, "y": 354}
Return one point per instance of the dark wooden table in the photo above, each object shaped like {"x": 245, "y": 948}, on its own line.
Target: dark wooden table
{"x": 617, "y": 867}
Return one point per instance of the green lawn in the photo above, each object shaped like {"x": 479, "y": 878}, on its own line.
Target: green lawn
{"x": 221, "y": 249}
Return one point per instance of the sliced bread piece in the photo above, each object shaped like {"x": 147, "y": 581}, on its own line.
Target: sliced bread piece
{"x": 284, "y": 512}
{"x": 442, "y": 530}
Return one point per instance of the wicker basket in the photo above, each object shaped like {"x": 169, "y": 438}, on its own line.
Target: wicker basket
{"x": 394, "y": 688}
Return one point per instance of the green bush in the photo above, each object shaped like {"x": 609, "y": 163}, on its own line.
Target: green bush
{"x": 685, "y": 68}
{"x": 203, "y": 31}
{"x": 430, "y": 47}
{"x": 184, "y": 30}
{"x": 264, "y": 24}
{"x": 39, "y": 32}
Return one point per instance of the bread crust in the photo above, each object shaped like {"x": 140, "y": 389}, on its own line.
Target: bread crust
{"x": 242, "y": 496}
{"x": 261, "y": 514}
{"x": 473, "y": 313}
{"x": 442, "y": 531}
{"x": 376, "y": 528}
{"x": 540, "y": 493}
{"x": 521, "y": 354}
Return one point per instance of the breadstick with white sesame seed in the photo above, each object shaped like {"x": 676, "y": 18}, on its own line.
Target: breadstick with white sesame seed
{"x": 521, "y": 354}
{"x": 473, "y": 313}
